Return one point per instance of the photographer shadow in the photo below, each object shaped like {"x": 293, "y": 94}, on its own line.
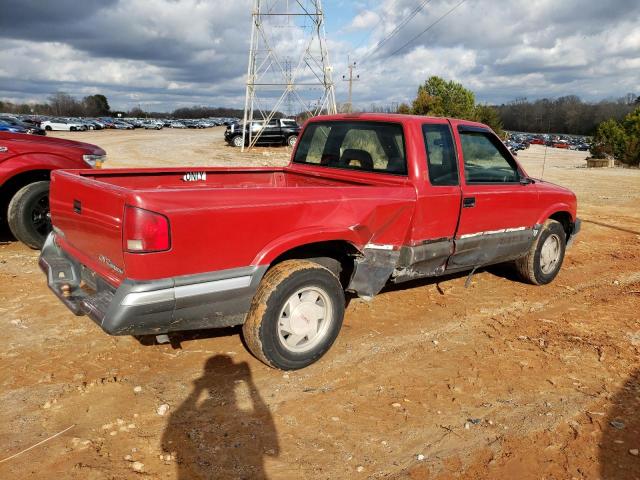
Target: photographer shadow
{"x": 620, "y": 443}
{"x": 223, "y": 429}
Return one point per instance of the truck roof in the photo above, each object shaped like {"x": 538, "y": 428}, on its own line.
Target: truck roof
{"x": 391, "y": 117}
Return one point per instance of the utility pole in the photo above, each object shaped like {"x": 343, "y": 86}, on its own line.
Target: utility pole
{"x": 350, "y": 79}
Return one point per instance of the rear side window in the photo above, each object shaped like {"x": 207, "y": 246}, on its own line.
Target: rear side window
{"x": 486, "y": 159}
{"x": 366, "y": 146}
{"x": 441, "y": 155}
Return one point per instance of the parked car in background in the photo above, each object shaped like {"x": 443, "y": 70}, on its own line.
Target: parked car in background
{"x": 29, "y": 127}
{"x": 9, "y": 127}
{"x": 62, "y": 125}
{"x": 177, "y": 125}
{"x": 279, "y": 131}
{"x": 152, "y": 125}
{"x": 91, "y": 124}
{"x": 120, "y": 125}
{"x": 107, "y": 122}
{"x": 26, "y": 163}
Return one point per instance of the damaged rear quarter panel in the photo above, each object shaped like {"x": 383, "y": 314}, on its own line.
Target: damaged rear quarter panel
{"x": 237, "y": 227}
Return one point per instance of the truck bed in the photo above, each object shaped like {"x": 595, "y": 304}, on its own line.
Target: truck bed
{"x": 205, "y": 178}
{"x": 222, "y": 218}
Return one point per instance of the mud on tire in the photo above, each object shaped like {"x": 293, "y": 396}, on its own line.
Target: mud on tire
{"x": 295, "y": 315}
{"x": 544, "y": 259}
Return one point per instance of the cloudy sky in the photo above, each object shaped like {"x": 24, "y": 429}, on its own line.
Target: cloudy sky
{"x": 165, "y": 54}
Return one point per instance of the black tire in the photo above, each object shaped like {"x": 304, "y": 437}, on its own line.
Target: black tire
{"x": 532, "y": 268}
{"x": 237, "y": 141}
{"x": 28, "y": 214}
{"x": 264, "y": 327}
{"x": 48, "y": 128}
{"x": 291, "y": 141}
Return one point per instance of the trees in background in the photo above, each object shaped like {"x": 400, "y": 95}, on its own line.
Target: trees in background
{"x": 620, "y": 140}
{"x": 568, "y": 114}
{"x": 96, "y": 106}
{"x": 205, "y": 112}
{"x": 61, "y": 104}
{"x": 441, "y": 98}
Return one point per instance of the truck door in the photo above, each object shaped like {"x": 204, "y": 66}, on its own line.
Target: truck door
{"x": 499, "y": 203}
{"x": 437, "y": 204}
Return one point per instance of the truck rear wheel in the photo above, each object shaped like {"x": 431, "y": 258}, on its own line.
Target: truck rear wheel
{"x": 544, "y": 259}
{"x": 295, "y": 315}
{"x": 28, "y": 214}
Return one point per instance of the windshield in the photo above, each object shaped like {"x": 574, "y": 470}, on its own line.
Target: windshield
{"x": 365, "y": 146}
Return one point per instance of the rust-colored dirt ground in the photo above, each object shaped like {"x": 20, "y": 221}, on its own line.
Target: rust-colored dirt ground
{"x": 428, "y": 381}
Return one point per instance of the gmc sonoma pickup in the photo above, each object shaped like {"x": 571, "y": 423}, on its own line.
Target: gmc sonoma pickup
{"x": 366, "y": 200}
{"x": 26, "y": 162}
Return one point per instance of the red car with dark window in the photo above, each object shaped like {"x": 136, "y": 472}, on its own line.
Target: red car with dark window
{"x": 367, "y": 200}
{"x": 26, "y": 163}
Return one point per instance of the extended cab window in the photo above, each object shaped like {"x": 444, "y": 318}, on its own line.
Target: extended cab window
{"x": 486, "y": 160}
{"x": 441, "y": 154}
{"x": 367, "y": 146}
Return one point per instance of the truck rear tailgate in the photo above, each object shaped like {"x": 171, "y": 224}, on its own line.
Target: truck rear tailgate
{"x": 88, "y": 218}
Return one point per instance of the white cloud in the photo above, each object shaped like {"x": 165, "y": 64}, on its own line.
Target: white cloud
{"x": 173, "y": 53}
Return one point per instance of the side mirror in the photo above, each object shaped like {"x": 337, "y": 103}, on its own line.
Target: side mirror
{"x": 526, "y": 181}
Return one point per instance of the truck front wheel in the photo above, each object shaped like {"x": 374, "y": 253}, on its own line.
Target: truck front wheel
{"x": 28, "y": 214}
{"x": 291, "y": 141}
{"x": 236, "y": 141}
{"x": 544, "y": 259}
{"x": 295, "y": 315}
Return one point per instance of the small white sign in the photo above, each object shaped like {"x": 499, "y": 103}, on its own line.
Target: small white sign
{"x": 195, "y": 177}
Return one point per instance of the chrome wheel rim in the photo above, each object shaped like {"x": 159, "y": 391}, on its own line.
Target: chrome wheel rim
{"x": 305, "y": 319}
{"x": 550, "y": 254}
{"x": 237, "y": 142}
{"x": 292, "y": 141}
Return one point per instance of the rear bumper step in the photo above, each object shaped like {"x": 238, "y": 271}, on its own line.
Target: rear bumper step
{"x": 210, "y": 300}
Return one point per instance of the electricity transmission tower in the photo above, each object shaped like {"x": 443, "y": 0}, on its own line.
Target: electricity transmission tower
{"x": 283, "y": 30}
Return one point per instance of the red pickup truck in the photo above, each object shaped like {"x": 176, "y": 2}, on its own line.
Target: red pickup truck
{"x": 26, "y": 162}
{"x": 367, "y": 199}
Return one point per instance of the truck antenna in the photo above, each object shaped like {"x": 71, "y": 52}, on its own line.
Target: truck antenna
{"x": 546, "y": 147}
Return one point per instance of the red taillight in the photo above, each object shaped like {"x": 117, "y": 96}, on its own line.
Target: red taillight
{"x": 145, "y": 231}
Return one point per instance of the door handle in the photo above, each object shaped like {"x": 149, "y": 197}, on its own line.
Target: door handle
{"x": 469, "y": 202}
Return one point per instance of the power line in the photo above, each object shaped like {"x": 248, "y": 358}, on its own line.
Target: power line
{"x": 428, "y": 28}
{"x": 380, "y": 22}
{"x": 396, "y": 30}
